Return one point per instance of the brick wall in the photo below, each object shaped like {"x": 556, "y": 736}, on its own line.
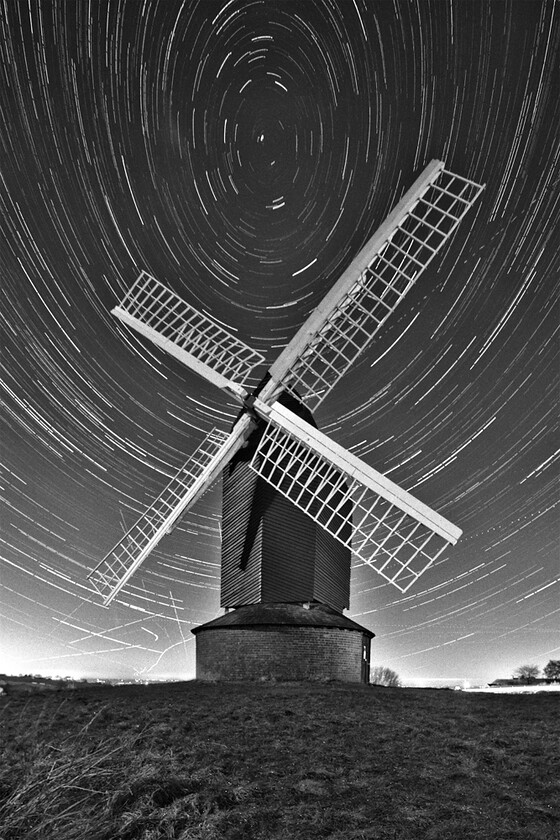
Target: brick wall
{"x": 279, "y": 652}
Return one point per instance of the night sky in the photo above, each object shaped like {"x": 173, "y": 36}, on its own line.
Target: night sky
{"x": 242, "y": 152}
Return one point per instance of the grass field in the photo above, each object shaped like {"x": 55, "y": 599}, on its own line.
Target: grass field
{"x": 279, "y": 762}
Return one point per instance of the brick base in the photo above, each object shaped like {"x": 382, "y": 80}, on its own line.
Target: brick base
{"x": 279, "y": 653}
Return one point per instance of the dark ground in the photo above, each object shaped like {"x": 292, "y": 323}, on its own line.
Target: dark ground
{"x": 193, "y": 761}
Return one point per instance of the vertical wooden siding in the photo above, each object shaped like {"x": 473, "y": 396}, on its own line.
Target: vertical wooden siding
{"x": 332, "y": 571}
{"x": 241, "y": 550}
{"x": 272, "y": 552}
{"x": 288, "y": 552}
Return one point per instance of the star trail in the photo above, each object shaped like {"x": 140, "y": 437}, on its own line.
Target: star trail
{"x": 242, "y": 152}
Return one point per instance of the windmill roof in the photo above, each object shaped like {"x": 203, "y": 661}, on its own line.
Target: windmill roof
{"x": 295, "y": 615}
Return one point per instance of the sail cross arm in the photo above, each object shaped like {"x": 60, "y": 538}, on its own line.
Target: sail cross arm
{"x": 385, "y": 526}
{"x": 191, "y": 336}
{"x": 354, "y": 467}
{"x": 180, "y": 353}
{"x": 185, "y": 488}
{"x": 373, "y": 285}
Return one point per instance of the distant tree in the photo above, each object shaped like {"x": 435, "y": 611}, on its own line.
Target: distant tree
{"x": 384, "y": 676}
{"x": 552, "y": 670}
{"x": 527, "y": 673}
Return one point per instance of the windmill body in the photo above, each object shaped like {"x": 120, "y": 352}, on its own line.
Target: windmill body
{"x": 285, "y": 582}
{"x": 296, "y": 505}
{"x": 273, "y": 552}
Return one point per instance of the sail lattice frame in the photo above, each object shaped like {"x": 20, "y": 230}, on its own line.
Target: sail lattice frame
{"x": 111, "y": 574}
{"x": 382, "y": 275}
{"x": 197, "y": 340}
{"x": 385, "y": 526}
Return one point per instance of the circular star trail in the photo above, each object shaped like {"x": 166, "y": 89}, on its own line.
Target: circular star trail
{"x": 242, "y": 152}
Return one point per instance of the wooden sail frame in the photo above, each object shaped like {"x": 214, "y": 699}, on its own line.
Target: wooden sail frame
{"x": 385, "y": 526}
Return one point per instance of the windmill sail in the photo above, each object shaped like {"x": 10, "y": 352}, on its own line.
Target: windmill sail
{"x": 184, "y": 489}
{"x": 383, "y": 524}
{"x": 386, "y": 527}
{"x": 196, "y": 340}
{"x": 373, "y": 285}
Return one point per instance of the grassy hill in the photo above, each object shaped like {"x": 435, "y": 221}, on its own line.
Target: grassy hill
{"x": 189, "y": 761}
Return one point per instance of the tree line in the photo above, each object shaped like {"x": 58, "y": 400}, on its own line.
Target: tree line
{"x": 529, "y": 673}
{"x": 381, "y": 675}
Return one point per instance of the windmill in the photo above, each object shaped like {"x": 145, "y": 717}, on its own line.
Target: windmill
{"x": 295, "y": 503}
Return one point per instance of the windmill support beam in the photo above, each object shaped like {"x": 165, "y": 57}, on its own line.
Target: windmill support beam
{"x": 118, "y": 566}
{"x": 204, "y": 370}
{"x": 286, "y": 360}
{"x": 354, "y": 467}
{"x": 373, "y": 285}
